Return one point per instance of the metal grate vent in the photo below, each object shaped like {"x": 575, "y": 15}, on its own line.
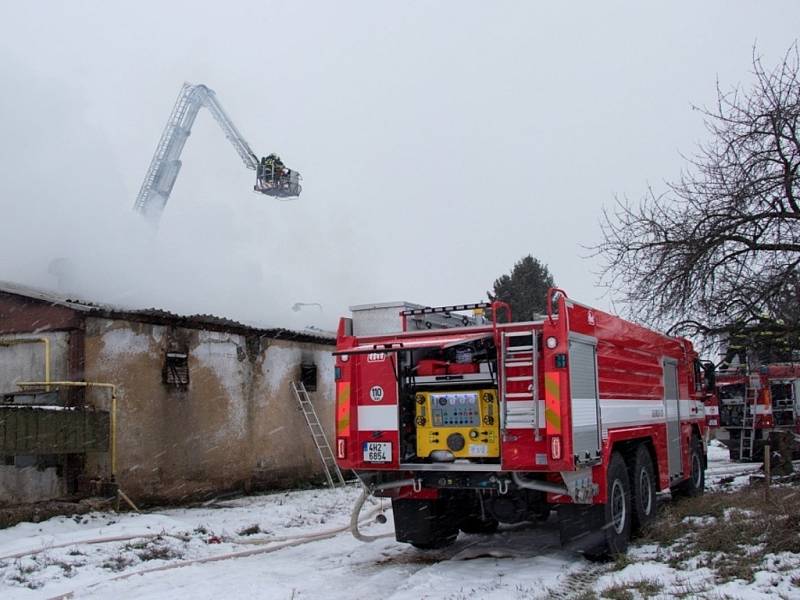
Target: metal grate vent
{"x": 176, "y": 369}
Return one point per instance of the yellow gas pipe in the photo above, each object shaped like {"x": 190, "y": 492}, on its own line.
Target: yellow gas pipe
{"x": 37, "y": 340}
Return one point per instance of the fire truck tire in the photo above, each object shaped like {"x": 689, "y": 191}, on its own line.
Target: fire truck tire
{"x": 643, "y": 482}
{"x": 617, "y": 517}
{"x": 425, "y": 524}
{"x": 695, "y": 485}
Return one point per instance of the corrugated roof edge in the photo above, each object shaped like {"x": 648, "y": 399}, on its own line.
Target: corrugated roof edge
{"x": 165, "y": 317}
{"x": 45, "y": 296}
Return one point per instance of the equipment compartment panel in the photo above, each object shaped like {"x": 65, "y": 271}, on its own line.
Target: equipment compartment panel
{"x": 465, "y": 423}
{"x": 454, "y": 410}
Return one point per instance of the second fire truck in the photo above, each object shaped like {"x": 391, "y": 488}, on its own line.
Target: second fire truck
{"x": 752, "y": 405}
{"x": 482, "y": 423}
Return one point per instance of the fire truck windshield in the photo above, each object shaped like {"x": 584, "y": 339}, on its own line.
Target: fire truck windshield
{"x": 781, "y": 391}
{"x": 731, "y": 392}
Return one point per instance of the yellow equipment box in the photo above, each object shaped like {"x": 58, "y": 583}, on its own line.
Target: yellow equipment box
{"x": 465, "y": 423}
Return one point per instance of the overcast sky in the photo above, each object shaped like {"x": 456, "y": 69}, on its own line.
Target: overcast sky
{"x": 439, "y": 141}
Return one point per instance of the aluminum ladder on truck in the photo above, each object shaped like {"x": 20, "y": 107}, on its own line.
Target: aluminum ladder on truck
{"x": 332, "y": 472}
{"x": 518, "y": 380}
{"x": 748, "y": 436}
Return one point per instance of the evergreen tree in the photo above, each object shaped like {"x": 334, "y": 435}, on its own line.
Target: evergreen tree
{"x": 525, "y": 289}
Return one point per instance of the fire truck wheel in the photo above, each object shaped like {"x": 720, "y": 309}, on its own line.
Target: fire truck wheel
{"x": 644, "y": 488}
{"x": 616, "y": 530}
{"x": 695, "y": 485}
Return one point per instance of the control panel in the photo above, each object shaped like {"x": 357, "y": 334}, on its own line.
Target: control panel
{"x": 463, "y": 423}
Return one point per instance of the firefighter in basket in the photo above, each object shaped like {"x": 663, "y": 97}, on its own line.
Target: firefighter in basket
{"x": 275, "y": 179}
{"x": 271, "y": 171}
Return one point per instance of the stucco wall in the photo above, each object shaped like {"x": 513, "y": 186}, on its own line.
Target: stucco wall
{"x": 29, "y": 484}
{"x": 237, "y": 424}
{"x": 25, "y": 362}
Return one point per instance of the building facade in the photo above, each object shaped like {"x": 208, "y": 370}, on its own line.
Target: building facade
{"x": 204, "y": 405}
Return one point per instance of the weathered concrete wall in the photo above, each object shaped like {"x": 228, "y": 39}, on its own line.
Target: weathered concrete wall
{"x": 25, "y": 362}
{"x": 29, "y": 484}
{"x": 283, "y": 444}
{"x": 236, "y": 424}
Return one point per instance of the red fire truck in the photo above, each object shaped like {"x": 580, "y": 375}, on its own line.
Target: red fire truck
{"x": 491, "y": 422}
{"x": 753, "y": 405}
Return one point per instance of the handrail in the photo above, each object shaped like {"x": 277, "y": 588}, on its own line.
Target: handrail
{"x": 497, "y": 304}
{"x": 500, "y": 304}
{"x": 550, "y": 293}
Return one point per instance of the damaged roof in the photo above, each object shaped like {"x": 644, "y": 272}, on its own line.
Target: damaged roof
{"x": 164, "y": 317}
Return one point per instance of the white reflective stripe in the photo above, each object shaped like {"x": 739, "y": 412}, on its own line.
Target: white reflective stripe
{"x": 692, "y": 409}
{"x": 763, "y": 409}
{"x": 377, "y": 418}
{"x": 712, "y": 411}
{"x": 616, "y": 413}
{"x": 619, "y": 412}
{"x": 687, "y": 411}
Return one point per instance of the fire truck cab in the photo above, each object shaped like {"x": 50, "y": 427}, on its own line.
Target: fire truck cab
{"x": 489, "y": 422}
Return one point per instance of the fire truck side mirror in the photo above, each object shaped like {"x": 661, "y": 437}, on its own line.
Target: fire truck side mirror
{"x": 710, "y": 376}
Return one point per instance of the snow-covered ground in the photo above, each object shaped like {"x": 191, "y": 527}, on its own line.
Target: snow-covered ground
{"x": 518, "y": 562}
{"x": 723, "y": 473}
{"x": 515, "y": 563}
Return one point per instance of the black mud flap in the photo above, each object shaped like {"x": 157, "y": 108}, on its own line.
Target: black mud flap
{"x": 581, "y": 526}
{"x": 423, "y": 523}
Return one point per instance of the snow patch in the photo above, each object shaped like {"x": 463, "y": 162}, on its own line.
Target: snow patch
{"x": 703, "y": 521}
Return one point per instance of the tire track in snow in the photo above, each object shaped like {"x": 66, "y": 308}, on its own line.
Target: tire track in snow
{"x": 576, "y": 583}
{"x": 520, "y": 562}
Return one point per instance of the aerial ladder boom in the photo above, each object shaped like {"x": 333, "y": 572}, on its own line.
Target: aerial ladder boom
{"x": 272, "y": 178}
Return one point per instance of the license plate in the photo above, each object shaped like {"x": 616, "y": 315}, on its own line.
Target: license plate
{"x": 378, "y": 452}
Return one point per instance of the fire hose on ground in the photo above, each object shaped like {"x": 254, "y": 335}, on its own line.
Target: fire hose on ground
{"x": 365, "y": 494}
{"x": 278, "y": 543}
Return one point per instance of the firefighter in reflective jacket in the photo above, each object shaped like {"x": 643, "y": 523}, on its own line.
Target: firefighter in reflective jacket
{"x": 272, "y": 169}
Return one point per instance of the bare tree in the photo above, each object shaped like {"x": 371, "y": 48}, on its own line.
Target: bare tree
{"x": 719, "y": 251}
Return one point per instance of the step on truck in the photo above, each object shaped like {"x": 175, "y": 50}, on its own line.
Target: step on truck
{"x": 466, "y": 423}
